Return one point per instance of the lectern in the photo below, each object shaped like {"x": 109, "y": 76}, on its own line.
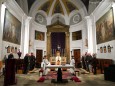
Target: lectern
{"x": 9, "y": 78}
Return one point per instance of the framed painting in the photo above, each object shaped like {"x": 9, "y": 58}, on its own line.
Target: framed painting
{"x": 105, "y": 30}
{"x": 77, "y": 35}
{"x": 8, "y": 49}
{"x": 39, "y": 35}
{"x": 101, "y": 49}
{"x": 12, "y": 28}
{"x": 12, "y": 49}
{"x": 105, "y": 49}
{"x": 109, "y": 48}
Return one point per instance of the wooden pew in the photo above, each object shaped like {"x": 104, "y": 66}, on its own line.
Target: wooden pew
{"x": 102, "y": 63}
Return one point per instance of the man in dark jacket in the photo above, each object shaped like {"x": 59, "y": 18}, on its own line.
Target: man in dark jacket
{"x": 10, "y": 56}
{"x": 32, "y": 61}
{"x": 94, "y": 64}
{"x": 26, "y": 63}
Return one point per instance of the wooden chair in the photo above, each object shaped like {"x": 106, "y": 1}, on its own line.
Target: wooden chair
{"x": 52, "y": 62}
{"x": 63, "y": 62}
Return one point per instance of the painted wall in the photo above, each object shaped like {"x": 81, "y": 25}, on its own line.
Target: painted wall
{"x": 37, "y": 44}
{"x": 15, "y": 10}
{"x": 2, "y": 9}
{"x": 101, "y": 9}
{"x": 79, "y": 44}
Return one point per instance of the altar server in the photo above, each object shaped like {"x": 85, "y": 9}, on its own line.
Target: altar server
{"x": 72, "y": 62}
{"x": 46, "y": 62}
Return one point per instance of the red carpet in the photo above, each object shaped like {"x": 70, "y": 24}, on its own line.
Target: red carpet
{"x": 53, "y": 75}
{"x": 76, "y": 79}
{"x": 41, "y": 79}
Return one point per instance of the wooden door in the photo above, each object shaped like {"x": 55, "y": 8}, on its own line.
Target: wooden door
{"x": 39, "y": 54}
{"x": 77, "y": 57}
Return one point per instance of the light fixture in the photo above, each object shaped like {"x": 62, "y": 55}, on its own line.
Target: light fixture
{"x": 109, "y": 46}
{"x": 98, "y": 49}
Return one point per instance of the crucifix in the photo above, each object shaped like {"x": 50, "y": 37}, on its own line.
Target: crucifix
{"x": 58, "y": 47}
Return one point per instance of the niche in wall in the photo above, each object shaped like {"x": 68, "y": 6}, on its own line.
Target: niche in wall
{"x": 77, "y": 35}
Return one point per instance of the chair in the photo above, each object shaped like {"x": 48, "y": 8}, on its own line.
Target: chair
{"x": 63, "y": 62}
{"x": 52, "y": 62}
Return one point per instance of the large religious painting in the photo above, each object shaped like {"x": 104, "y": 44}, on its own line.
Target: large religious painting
{"x": 105, "y": 28}
{"x": 39, "y": 35}
{"x": 77, "y": 35}
{"x": 12, "y": 28}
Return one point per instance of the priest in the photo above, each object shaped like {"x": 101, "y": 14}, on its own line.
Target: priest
{"x": 58, "y": 58}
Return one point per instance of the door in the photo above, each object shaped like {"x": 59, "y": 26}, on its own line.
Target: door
{"x": 77, "y": 57}
{"x": 39, "y": 54}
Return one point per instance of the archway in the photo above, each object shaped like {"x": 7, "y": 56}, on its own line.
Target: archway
{"x": 58, "y": 28}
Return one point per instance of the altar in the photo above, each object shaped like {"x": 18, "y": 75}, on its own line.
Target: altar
{"x": 67, "y": 66}
{"x": 59, "y": 66}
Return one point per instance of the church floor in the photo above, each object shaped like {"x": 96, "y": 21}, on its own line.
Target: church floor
{"x": 87, "y": 80}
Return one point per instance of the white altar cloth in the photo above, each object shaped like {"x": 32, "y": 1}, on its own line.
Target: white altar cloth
{"x": 59, "y": 66}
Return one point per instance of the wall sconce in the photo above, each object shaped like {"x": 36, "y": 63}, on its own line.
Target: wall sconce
{"x": 109, "y": 46}
{"x": 30, "y": 43}
{"x": 71, "y": 53}
{"x": 44, "y": 52}
{"x": 98, "y": 49}
{"x": 7, "y": 47}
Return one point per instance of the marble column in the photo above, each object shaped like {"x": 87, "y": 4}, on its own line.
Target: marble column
{"x": 2, "y": 12}
{"x": 25, "y": 35}
{"x": 49, "y": 44}
{"x": 67, "y": 48}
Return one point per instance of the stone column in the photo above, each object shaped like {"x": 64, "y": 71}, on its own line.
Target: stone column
{"x": 25, "y": 35}
{"x": 49, "y": 44}
{"x": 2, "y": 11}
{"x": 67, "y": 48}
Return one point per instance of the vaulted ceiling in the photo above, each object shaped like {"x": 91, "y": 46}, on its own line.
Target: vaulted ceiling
{"x": 69, "y": 12}
{"x": 86, "y": 3}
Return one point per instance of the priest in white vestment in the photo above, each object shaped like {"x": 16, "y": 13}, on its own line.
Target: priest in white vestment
{"x": 58, "y": 58}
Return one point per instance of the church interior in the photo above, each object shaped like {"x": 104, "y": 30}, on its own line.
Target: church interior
{"x": 40, "y": 37}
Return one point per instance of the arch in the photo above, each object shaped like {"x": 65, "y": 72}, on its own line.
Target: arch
{"x": 61, "y": 18}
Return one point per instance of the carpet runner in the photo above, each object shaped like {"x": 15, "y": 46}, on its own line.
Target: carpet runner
{"x": 52, "y": 75}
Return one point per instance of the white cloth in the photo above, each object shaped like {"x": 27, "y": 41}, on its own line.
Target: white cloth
{"x": 72, "y": 62}
{"x": 15, "y": 55}
{"x": 46, "y": 62}
{"x": 43, "y": 65}
{"x": 58, "y": 58}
